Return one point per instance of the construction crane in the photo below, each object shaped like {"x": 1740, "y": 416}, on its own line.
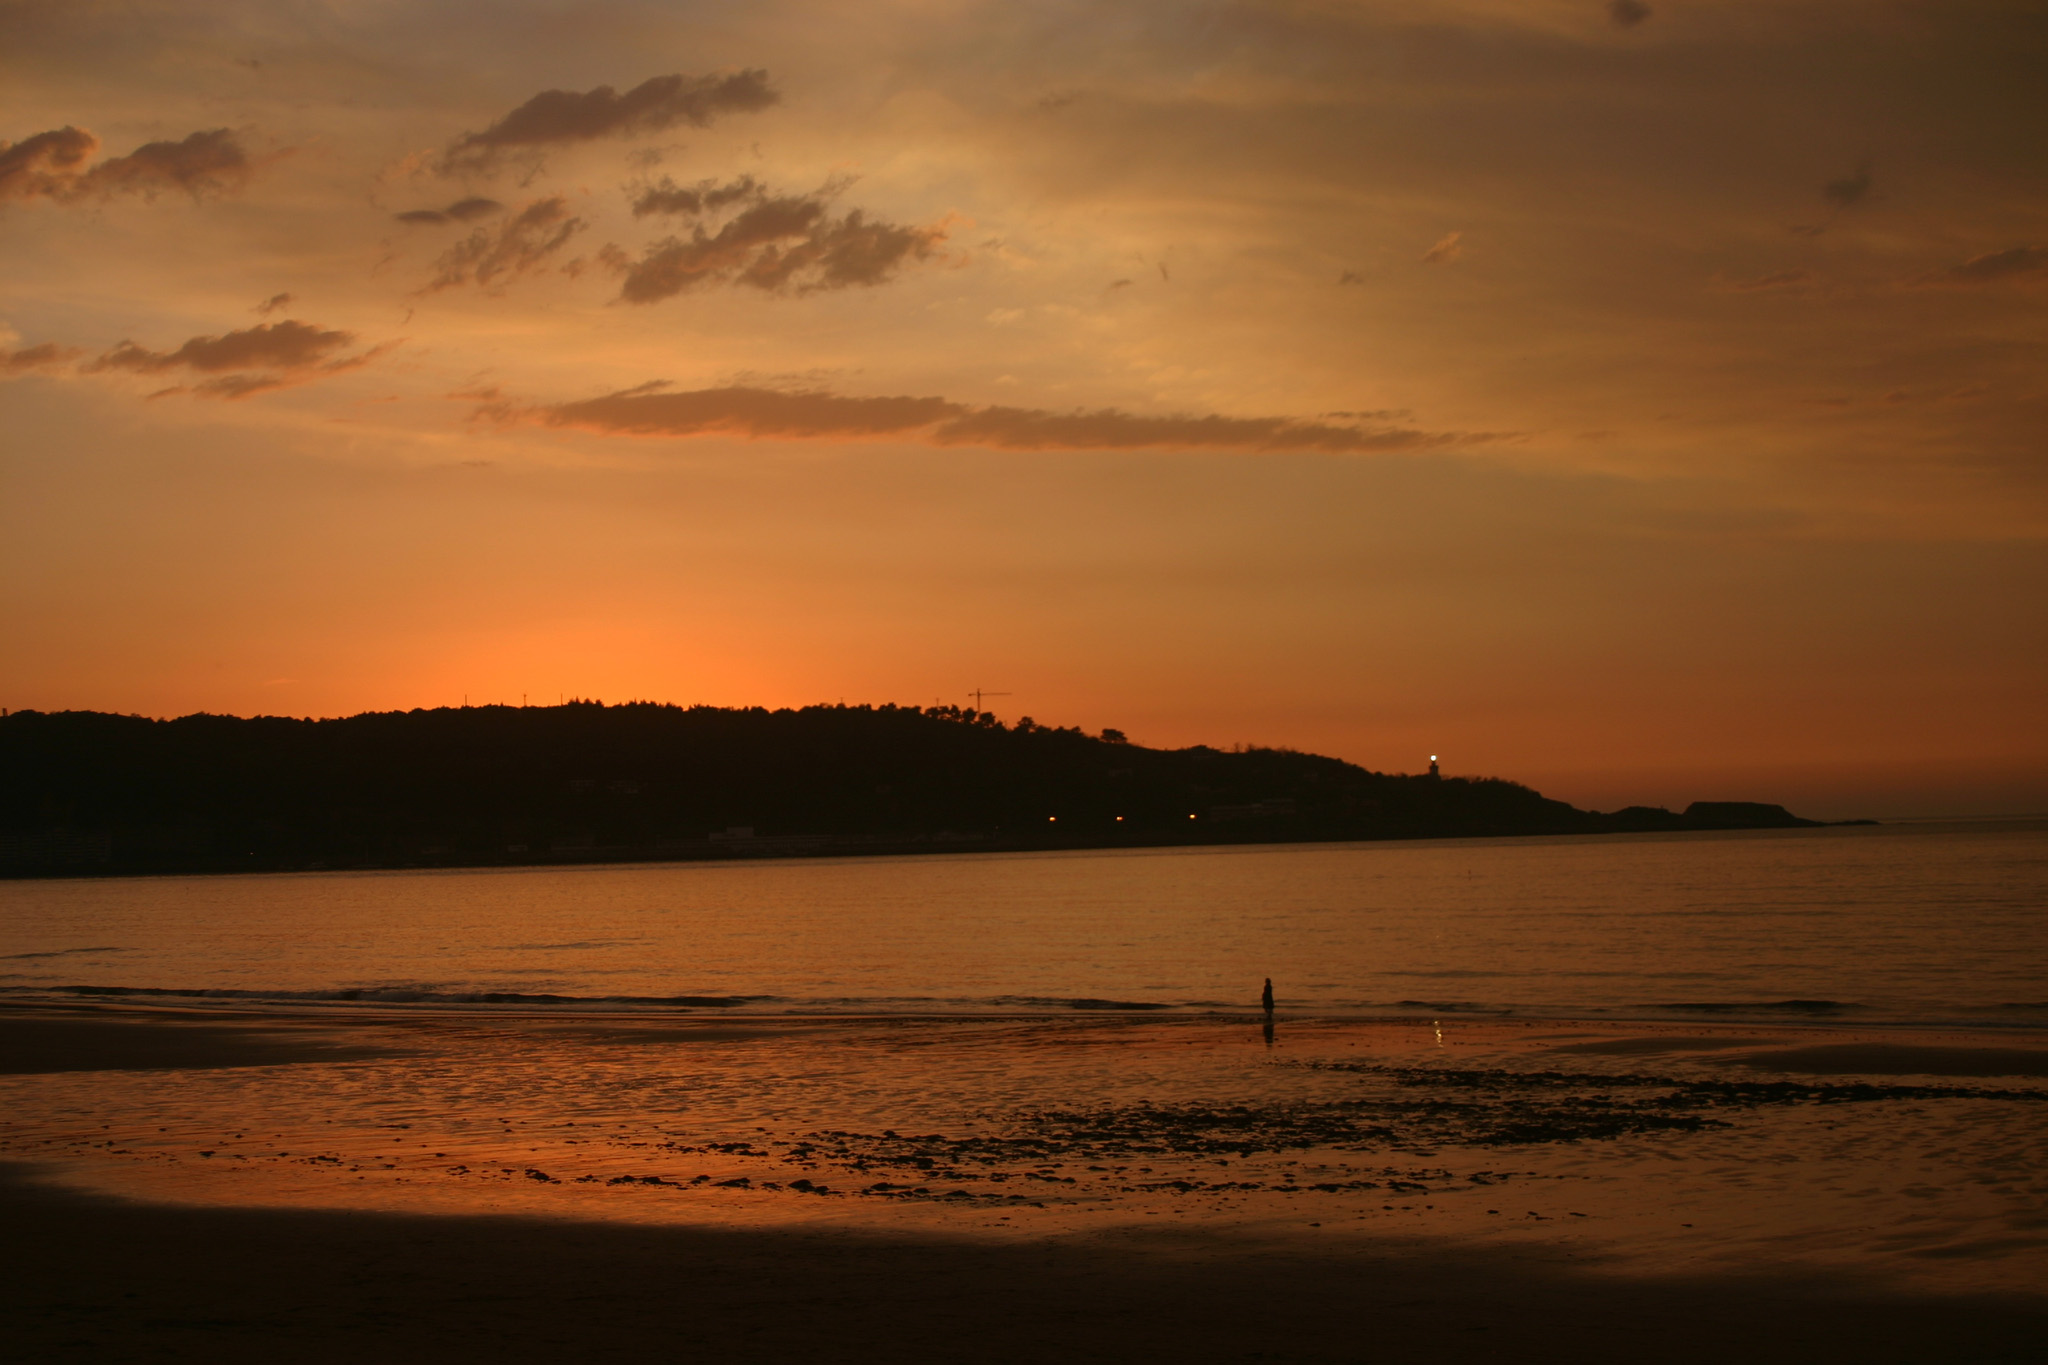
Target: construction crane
{"x": 978, "y": 694}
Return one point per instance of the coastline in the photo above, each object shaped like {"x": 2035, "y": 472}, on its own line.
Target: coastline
{"x": 856, "y": 847}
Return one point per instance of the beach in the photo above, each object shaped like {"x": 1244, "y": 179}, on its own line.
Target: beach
{"x": 534, "y": 1186}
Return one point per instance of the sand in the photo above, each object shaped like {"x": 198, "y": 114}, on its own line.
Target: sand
{"x": 522, "y": 1188}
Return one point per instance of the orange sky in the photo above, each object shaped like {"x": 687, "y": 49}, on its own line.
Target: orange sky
{"x": 1644, "y": 402}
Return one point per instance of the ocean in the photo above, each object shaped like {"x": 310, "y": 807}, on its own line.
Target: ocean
{"x": 1928, "y": 923}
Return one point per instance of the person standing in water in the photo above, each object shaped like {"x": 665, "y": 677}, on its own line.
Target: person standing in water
{"x": 1266, "y": 998}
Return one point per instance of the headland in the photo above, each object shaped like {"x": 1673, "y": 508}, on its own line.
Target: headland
{"x": 89, "y": 793}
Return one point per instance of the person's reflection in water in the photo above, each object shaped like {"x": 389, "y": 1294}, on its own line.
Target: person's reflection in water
{"x": 1267, "y": 1029}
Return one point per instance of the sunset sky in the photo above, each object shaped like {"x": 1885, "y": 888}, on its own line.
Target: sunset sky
{"x": 1644, "y": 400}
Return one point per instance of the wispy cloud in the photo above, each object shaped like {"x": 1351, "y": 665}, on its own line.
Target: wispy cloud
{"x": 519, "y": 245}
{"x": 778, "y": 243}
{"x": 53, "y": 165}
{"x": 1627, "y": 13}
{"x": 2000, "y": 265}
{"x": 461, "y": 211}
{"x": 1444, "y": 252}
{"x": 706, "y": 196}
{"x": 1777, "y": 280}
{"x": 1850, "y": 190}
{"x": 271, "y": 355}
{"x": 38, "y": 357}
{"x": 563, "y": 116}
{"x": 772, "y": 414}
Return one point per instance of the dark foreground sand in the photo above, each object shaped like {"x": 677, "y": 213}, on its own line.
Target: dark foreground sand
{"x": 84, "y": 1279}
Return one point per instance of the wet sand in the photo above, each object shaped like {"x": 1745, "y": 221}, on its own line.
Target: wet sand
{"x": 42, "y": 1043}
{"x": 416, "y": 1185}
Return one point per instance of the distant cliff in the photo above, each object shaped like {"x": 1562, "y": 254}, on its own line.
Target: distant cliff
{"x": 85, "y": 792}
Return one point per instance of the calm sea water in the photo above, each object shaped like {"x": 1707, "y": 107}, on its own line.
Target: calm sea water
{"x": 1891, "y": 923}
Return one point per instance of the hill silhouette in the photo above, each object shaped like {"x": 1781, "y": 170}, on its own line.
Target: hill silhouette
{"x": 88, "y": 792}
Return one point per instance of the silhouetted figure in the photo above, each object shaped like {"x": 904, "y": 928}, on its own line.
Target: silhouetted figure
{"x": 1266, "y": 998}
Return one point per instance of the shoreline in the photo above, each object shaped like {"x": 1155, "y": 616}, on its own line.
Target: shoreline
{"x": 828, "y": 849}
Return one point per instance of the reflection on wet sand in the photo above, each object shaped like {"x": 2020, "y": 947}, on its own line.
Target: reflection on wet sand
{"x": 1646, "y": 1150}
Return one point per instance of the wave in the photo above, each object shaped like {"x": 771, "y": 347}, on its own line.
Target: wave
{"x": 1452, "y": 1007}
{"x": 406, "y": 995}
{"x": 419, "y": 995}
{"x": 57, "y": 952}
{"x": 429, "y": 997}
{"x": 1759, "y": 1006}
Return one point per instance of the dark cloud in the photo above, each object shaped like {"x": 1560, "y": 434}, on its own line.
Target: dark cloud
{"x": 461, "y": 211}
{"x": 776, "y": 414}
{"x": 520, "y": 244}
{"x": 271, "y": 355}
{"x": 272, "y": 304}
{"x": 706, "y": 196}
{"x": 202, "y": 161}
{"x": 46, "y": 164}
{"x": 1627, "y": 13}
{"x": 558, "y": 116}
{"x": 777, "y": 243}
{"x": 36, "y": 357}
{"x": 52, "y": 165}
{"x": 2000, "y": 265}
{"x": 1849, "y": 190}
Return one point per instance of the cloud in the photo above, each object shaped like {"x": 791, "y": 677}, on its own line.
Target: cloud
{"x": 1627, "y": 13}
{"x": 705, "y": 196}
{"x": 52, "y": 165}
{"x": 461, "y": 211}
{"x": 1999, "y": 265}
{"x": 1783, "y": 279}
{"x": 1351, "y": 277}
{"x": 272, "y": 304}
{"x": 1445, "y": 251}
{"x": 520, "y": 244}
{"x": 271, "y": 355}
{"x": 777, "y": 243}
{"x": 46, "y": 164}
{"x": 559, "y": 116}
{"x": 1849, "y": 190}
{"x": 36, "y": 357}
{"x": 771, "y": 414}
